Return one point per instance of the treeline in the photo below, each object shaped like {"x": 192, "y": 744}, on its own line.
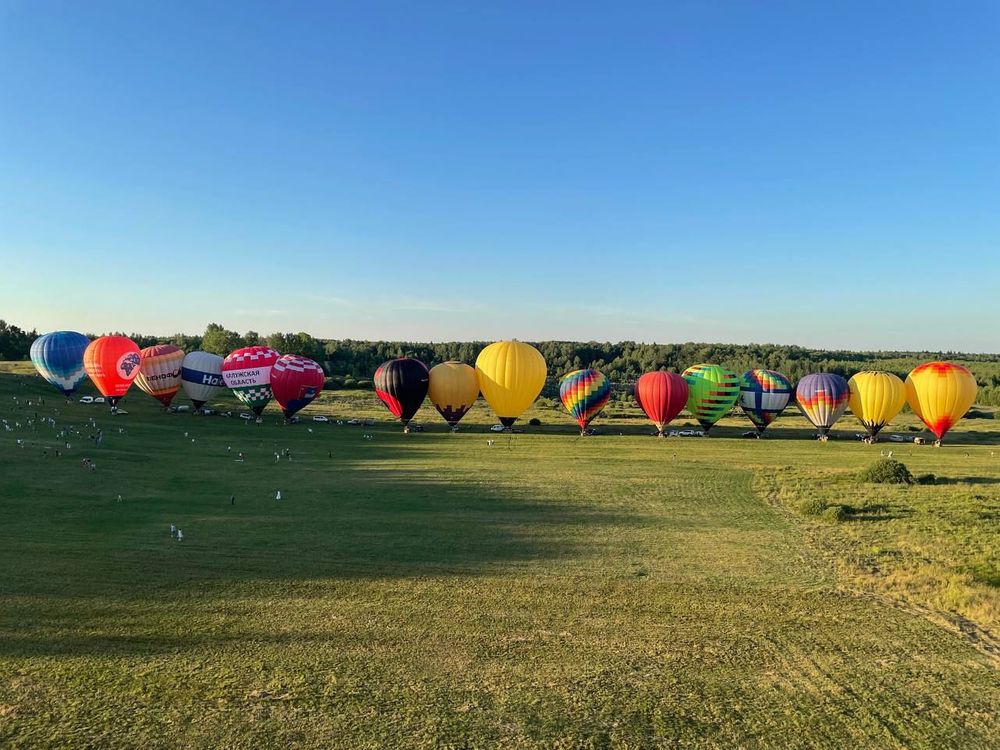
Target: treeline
{"x": 351, "y": 363}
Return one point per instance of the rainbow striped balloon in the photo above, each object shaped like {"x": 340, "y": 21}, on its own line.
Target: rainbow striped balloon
{"x": 822, "y": 398}
{"x": 764, "y": 394}
{"x": 584, "y": 393}
{"x": 712, "y": 392}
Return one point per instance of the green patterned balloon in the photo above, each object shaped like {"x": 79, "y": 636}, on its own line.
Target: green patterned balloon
{"x": 712, "y": 392}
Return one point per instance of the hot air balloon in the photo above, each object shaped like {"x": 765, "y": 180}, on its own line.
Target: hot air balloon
{"x": 661, "y": 395}
{"x": 401, "y": 384}
{"x": 295, "y": 382}
{"x": 584, "y": 393}
{"x": 247, "y": 372}
{"x": 712, "y": 392}
{"x": 511, "y": 375}
{"x": 453, "y": 389}
{"x": 764, "y": 394}
{"x": 58, "y": 357}
{"x": 112, "y": 362}
{"x": 876, "y": 397}
{"x": 940, "y": 393}
{"x": 201, "y": 377}
{"x": 822, "y": 397}
{"x": 160, "y": 372}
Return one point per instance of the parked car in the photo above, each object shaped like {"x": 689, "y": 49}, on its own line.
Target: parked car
{"x": 320, "y": 418}
{"x": 497, "y": 428}
{"x": 898, "y": 439}
{"x": 99, "y": 399}
{"x": 244, "y": 415}
{"x": 86, "y": 399}
{"x": 353, "y": 421}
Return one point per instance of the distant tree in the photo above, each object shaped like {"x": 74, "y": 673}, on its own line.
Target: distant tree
{"x": 219, "y": 340}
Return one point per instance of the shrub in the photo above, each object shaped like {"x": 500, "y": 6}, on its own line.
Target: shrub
{"x": 835, "y": 514}
{"x": 535, "y": 422}
{"x": 887, "y": 471}
{"x": 812, "y": 506}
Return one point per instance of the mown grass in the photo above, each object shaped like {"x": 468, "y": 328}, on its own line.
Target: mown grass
{"x": 433, "y": 591}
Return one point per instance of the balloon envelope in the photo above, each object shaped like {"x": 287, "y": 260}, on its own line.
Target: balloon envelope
{"x": 764, "y": 394}
{"x": 822, "y": 397}
{"x": 940, "y": 393}
{"x": 247, "y": 372}
{"x": 875, "y": 398}
{"x": 295, "y": 382}
{"x": 511, "y": 375}
{"x": 58, "y": 357}
{"x": 201, "y": 377}
{"x": 401, "y": 384}
{"x": 160, "y": 372}
{"x": 661, "y": 395}
{"x": 584, "y": 393}
{"x": 112, "y": 362}
{"x": 712, "y": 392}
{"x": 453, "y": 388}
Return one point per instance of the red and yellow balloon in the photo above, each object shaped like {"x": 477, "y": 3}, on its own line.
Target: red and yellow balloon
{"x": 940, "y": 393}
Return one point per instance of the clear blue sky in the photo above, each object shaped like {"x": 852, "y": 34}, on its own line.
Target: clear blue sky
{"x": 801, "y": 172}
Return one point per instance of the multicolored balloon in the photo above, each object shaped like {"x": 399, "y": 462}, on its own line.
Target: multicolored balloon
{"x": 295, "y": 382}
{"x": 584, "y": 393}
{"x": 58, "y": 357}
{"x": 876, "y": 397}
{"x": 201, "y": 377}
{"x": 822, "y": 398}
{"x": 764, "y": 394}
{"x": 661, "y": 395}
{"x": 247, "y": 372}
{"x": 453, "y": 388}
{"x": 712, "y": 392}
{"x": 112, "y": 362}
{"x": 511, "y": 375}
{"x": 401, "y": 384}
{"x": 940, "y": 393}
{"x": 160, "y": 372}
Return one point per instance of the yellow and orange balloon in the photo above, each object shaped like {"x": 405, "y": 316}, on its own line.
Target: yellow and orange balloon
{"x": 876, "y": 398}
{"x": 940, "y": 393}
{"x": 511, "y": 375}
{"x": 160, "y": 372}
{"x": 453, "y": 389}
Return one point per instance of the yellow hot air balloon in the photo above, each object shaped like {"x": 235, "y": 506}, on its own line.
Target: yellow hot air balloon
{"x": 940, "y": 393}
{"x": 876, "y": 397}
{"x": 511, "y": 375}
{"x": 453, "y": 389}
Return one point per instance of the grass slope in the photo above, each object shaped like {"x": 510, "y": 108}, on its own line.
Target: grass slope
{"x": 432, "y": 591}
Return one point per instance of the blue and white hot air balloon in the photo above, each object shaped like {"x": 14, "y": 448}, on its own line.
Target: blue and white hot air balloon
{"x": 201, "y": 377}
{"x": 58, "y": 357}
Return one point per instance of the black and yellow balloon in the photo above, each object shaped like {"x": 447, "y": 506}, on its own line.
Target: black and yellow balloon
{"x": 511, "y": 375}
{"x": 453, "y": 389}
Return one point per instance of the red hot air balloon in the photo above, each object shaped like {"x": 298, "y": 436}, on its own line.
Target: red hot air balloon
{"x": 295, "y": 382}
{"x": 402, "y": 386}
{"x": 661, "y": 395}
{"x": 112, "y": 362}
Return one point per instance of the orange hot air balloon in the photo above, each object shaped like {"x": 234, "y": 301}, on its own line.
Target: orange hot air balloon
{"x": 940, "y": 393}
{"x": 160, "y": 372}
{"x": 112, "y": 362}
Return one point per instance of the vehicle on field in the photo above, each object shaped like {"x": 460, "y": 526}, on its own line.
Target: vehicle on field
{"x": 320, "y": 418}
{"x": 244, "y": 415}
{"x": 899, "y": 439}
{"x": 497, "y": 428}
{"x": 86, "y": 399}
{"x": 353, "y": 421}
{"x": 99, "y": 399}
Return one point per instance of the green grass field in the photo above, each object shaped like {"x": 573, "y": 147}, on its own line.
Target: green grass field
{"x": 430, "y": 590}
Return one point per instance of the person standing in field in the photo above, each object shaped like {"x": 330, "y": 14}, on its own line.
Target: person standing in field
{"x": 277, "y": 496}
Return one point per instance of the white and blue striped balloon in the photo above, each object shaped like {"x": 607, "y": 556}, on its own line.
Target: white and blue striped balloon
{"x": 58, "y": 357}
